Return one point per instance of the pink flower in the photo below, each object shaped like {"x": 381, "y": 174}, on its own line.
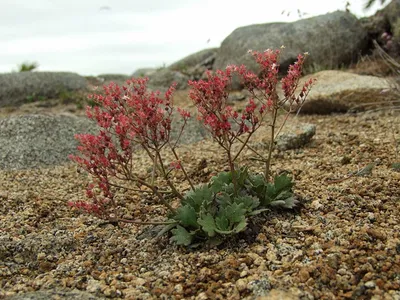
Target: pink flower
{"x": 176, "y": 165}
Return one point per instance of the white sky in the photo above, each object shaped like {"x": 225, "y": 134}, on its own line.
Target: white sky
{"x": 91, "y": 37}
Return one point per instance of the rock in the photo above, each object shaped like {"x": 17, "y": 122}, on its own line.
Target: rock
{"x": 295, "y": 135}
{"x": 276, "y": 294}
{"x": 163, "y": 79}
{"x": 114, "y": 77}
{"x": 56, "y": 294}
{"x": 385, "y": 20}
{"x": 333, "y": 40}
{"x": 19, "y": 88}
{"x": 337, "y": 91}
{"x": 26, "y": 250}
{"x": 304, "y": 275}
{"x": 195, "y": 65}
{"x": 32, "y": 141}
{"x": 144, "y": 72}
{"x": 370, "y": 284}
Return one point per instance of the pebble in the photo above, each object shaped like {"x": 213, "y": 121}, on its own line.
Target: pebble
{"x": 241, "y": 284}
{"x": 370, "y": 284}
{"x": 304, "y": 275}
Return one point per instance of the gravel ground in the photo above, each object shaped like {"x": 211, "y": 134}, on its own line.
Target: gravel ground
{"x": 343, "y": 243}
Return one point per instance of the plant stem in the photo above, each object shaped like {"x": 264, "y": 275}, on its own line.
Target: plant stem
{"x": 243, "y": 145}
{"x": 165, "y": 175}
{"x": 271, "y": 145}
{"x": 252, "y": 149}
{"x": 183, "y": 168}
{"x": 155, "y": 191}
{"x": 232, "y": 168}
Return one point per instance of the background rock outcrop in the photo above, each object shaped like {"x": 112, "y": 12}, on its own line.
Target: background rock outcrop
{"x": 333, "y": 40}
{"x": 18, "y": 88}
{"x": 338, "y": 91}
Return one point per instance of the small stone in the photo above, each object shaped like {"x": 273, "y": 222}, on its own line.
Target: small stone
{"x": 333, "y": 260}
{"x": 178, "y": 288}
{"x": 316, "y": 205}
{"x": 41, "y": 256}
{"x": 377, "y": 234}
{"x": 178, "y": 276}
{"x": 139, "y": 281}
{"x": 370, "y": 284}
{"x": 46, "y": 266}
{"x": 371, "y": 217}
{"x": 124, "y": 261}
{"x": 202, "y": 296}
{"x": 344, "y": 160}
{"x": 241, "y": 284}
{"x": 163, "y": 274}
{"x": 342, "y": 271}
{"x": 304, "y": 275}
{"x": 110, "y": 292}
{"x": 93, "y": 286}
{"x": 18, "y": 259}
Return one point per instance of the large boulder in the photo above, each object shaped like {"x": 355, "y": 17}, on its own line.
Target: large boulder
{"x": 19, "y": 88}
{"x": 163, "y": 79}
{"x": 333, "y": 40}
{"x": 385, "y": 20}
{"x": 337, "y": 91}
{"x": 114, "y": 77}
{"x": 195, "y": 65}
{"x": 191, "y": 67}
{"x": 32, "y": 141}
{"x": 144, "y": 72}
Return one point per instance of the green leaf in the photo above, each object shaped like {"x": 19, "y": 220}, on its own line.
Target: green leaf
{"x": 257, "y": 180}
{"x": 282, "y": 183}
{"x": 217, "y": 182}
{"x": 366, "y": 170}
{"x": 165, "y": 229}
{"x": 258, "y": 211}
{"x": 240, "y": 226}
{"x": 235, "y": 212}
{"x": 228, "y": 188}
{"x": 221, "y": 223}
{"x": 201, "y": 196}
{"x": 181, "y": 236}
{"x": 207, "y": 224}
{"x": 270, "y": 194}
{"x": 289, "y": 202}
{"x": 215, "y": 241}
{"x": 187, "y": 216}
{"x": 249, "y": 202}
{"x": 242, "y": 176}
{"x": 284, "y": 195}
{"x": 223, "y": 199}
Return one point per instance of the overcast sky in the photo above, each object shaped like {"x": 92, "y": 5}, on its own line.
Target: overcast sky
{"x": 91, "y": 37}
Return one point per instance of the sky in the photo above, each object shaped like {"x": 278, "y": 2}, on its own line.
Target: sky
{"x": 93, "y": 37}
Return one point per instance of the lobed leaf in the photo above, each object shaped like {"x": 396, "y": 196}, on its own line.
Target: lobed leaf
{"x": 187, "y": 216}
{"x": 207, "y": 223}
{"x": 181, "y": 236}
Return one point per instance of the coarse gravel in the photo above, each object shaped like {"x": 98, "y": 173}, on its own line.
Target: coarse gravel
{"x": 343, "y": 242}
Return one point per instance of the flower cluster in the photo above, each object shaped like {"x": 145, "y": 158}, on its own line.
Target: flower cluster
{"x": 127, "y": 117}
{"x": 211, "y": 95}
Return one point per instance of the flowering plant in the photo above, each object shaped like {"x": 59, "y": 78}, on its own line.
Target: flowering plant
{"x": 133, "y": 116}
